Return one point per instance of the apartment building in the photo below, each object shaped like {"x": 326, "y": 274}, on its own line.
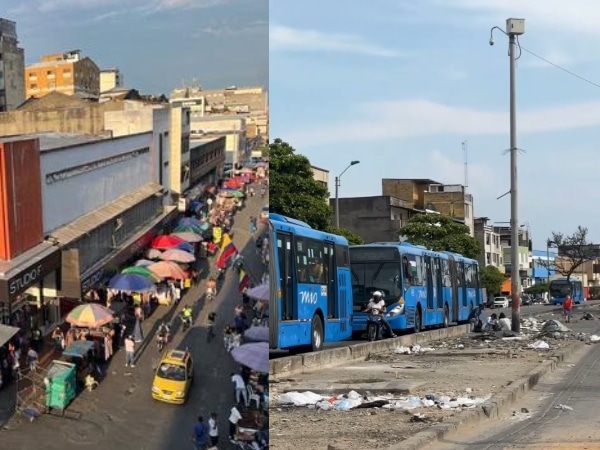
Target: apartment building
{"x": 491, "y": 249}
{"x": 111, "y": 79}
{"x": 12, "y": 66}
{"x": 424, "y": 194}
{"x": 68, "y": 73}
{"x": 524, "y": 243}
{"x": 321, "y": 175}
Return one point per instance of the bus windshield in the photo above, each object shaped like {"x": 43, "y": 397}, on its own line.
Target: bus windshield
{"x": 560, "y": 289}
{"x": 369, "y": 277}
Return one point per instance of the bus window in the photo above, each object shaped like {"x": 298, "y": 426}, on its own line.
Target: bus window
{"x": 446, "y": 278}
{"x": 376, "y": 276}
{"x": 309, "y": 261}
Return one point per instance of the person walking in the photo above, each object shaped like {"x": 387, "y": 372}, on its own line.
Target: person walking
{"x": 213, "y": 430}
{"x": 234, "y": 418}
{"x": 129, "y": 351}
{"x": 200, "y": 435}
{"x": 568, "y": 308}
{"x": 240, "y": 389}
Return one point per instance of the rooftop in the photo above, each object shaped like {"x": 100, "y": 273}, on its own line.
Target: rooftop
{"x": 50, "y": 141}
{"x": 198, "y": 142}
{"x": 414, "y": 180}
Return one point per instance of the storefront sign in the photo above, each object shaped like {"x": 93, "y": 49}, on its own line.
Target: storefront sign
{"x": 92, "y": 280}
{"x": 30, "y": 276}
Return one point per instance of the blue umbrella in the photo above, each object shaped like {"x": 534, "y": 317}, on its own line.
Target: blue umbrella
{"x": 257, "y": 334}
{"x": 196, "y": 205}
{"x": 131, "y": 282}
{"x": 190, "y": 221}
{"x": 255, "y": 356}
{"x": 186, "y": 246}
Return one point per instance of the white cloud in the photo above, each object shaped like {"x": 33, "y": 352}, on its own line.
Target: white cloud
{"x": 291, "y": 39}
{"x": 229, "y": 29}
{"x": 412, "y": 118}
{"x": 56, "y": 5}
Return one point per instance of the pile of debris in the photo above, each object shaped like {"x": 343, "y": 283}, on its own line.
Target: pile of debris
{"x": 353, "y": 400}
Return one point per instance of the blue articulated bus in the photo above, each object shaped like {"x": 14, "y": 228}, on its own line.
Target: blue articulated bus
{"x": 422, "y": 288}
{"x": 561, "y": 287}
{"x": 311, "y": 291}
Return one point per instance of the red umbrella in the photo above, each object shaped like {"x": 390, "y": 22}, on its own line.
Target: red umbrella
{"x": 164, "y": 242}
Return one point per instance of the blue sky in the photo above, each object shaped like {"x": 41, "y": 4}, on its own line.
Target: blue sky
{"x": 399, "y": 85}
{"x": 155, "y": 43}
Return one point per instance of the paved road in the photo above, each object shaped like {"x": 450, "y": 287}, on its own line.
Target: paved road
{"x": 525, "y": 310}
{"x": 121, "y": 413}
{"x": 576, "y": 385}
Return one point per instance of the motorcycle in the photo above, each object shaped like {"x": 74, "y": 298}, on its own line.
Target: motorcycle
{"x": 161, "y": 341}
{"x": 374, "y": 325}
{"x": 186, "y": 321}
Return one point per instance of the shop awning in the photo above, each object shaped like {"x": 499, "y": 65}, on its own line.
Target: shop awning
{"x": 6, "y": 333}
{"x": 78, "y": 349}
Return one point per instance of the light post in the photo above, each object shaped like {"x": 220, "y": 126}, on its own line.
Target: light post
{"x": 549, "y": 243}
{"x": 337, "y": 197}
{"x": 514, "y": 28}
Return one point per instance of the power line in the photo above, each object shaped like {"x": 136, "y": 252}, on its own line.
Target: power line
{"x": 561, "y": 68}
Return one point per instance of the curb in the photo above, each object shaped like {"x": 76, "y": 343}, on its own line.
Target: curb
{"x": 492, "y": 409}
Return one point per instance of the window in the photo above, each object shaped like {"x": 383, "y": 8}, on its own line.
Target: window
{"x": 487, "y": 239}
{"x": 488, "y": 258}
{"x": 375, "y": 276}
{"x": 471, "y": 275}
{"x": 459, "y": 274}
{"x": 417, "y": 263}
{"x": 341, "y": 256}
{"x": 445, "y": 268}
{"x": 425, "y": 268}
{"x": 309, "y": 261}
{"x": 33, "y": 86}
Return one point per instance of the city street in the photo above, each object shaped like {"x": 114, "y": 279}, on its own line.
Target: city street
{"x": 121, "y": 413}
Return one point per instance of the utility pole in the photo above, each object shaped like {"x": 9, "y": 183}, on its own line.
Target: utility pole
{"x": 514, "y": 28}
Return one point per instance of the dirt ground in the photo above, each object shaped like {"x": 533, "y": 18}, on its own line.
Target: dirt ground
{"x": 466, "y": 367}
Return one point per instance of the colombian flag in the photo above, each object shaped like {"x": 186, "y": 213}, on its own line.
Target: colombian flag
{"x": 244, "y": 281}
{"x": 227, "y": 251}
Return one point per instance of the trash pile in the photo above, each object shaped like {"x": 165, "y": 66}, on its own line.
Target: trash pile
{"x": 353, "y": 400}
{"x": 412, "y": 350}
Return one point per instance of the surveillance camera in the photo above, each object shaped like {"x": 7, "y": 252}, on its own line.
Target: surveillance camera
{"x": 491, "y": 41}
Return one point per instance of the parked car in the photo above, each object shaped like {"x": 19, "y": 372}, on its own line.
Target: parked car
{"x": 173, "y": 377}
{"x": 501, "y": 302}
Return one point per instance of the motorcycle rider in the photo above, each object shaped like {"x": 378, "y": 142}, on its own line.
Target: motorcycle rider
{"x": 186, "y": 315}
{"x": 163, "y": 333}
{"x": 211, "y": 287}
{"x": 377, "y": 302}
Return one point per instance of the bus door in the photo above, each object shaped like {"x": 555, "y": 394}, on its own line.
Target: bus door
{"x": 438, "y": 282}
{"x": 286, "y": 270}
{"x": 330, "y": 276}
{"x": 428, "y": 276}
{"x": 460, "y": 269}
{"x": 477, "y": 284}
{"x": 454, "y": 281}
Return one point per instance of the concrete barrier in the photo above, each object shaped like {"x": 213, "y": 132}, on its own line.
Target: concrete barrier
{"x": 311, "y": 362}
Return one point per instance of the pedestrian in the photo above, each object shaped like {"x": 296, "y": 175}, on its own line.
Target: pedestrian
{"x": 213, "y": 430}
{"x": 200, "y": 434}
{"x": 234, "y": 418}
{"x": 240, "y": 389}
{"x": 568, "y": 308}
{"x": 32, "y": 359}
{"x": 129, "y": 351}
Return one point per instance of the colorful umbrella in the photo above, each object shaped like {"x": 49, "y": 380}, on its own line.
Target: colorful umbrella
{"x": 254, "y": 356}
{"x": 257, "y": 334}
{"x": 185, "y": 246}
{"x": 190, "y": 221}
{"x": 186, "y": 229}
{"x": 131, "y": 282}
{"x": 153, "y": 253}
{"x": 238, "y": 194}
{"x": 165, "y": 242}
{"x": 177, "y": 255}
{"x": 143, "y": 271}
{"x": 260, "y": 292}
{"x": 168, "y": 269}
{"x": 226, "y": 194}
{"x": 90, "y": 315}
{"x": 143, "y": 262}
{"x": 188, "y": 237}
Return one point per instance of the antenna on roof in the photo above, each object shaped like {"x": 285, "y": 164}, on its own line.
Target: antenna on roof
{"x": 466, "y": 155}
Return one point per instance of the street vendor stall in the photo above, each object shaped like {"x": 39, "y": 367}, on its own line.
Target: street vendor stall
{"x": 60, "y": 385}
{"x": 79, "y": 353}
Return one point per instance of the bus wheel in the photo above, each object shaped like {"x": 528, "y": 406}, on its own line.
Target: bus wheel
{"x": 317, "y": 334}
{"x": 417, "y": 320}
{"x": 446, "y": 317}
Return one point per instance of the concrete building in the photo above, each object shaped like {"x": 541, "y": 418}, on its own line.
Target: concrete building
{"x": 12, "y": 67}
{"x": 491, "y": 250}
{"x": 232, "y": 128}
{"x": 322, "y": 176}
{"x": 114, "y": 209}
{"x": 375, "y": 219}
{"x": 111, "y": 79}
{"x": 425, "y": 194}
{"x": 207, "y": 160}
{"x": 541, "y": 261}
{"x": 68, "y": 73}
{"x": 525, "y": 252}
{"x": 180, "y": 150}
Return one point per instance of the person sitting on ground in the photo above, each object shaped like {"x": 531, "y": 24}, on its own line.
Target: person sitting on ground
{"x": 491, "y": 324}
{"x": 504, "y": 322}
{"x": 475, "y": 317}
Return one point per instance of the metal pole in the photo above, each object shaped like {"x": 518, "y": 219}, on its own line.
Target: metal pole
{"x": 337, "y": 202}
{"x": 548, "y": 262}
{"x": 514, "y": 210}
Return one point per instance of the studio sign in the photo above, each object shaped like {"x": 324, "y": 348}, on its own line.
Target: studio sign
{"x": 25, "y": 280}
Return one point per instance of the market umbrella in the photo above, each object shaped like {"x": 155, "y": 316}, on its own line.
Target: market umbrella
{"x": 260, "y": 292}
{"x": 188, "y": 236}
{"x": 185, "y": 246}
{"x": 187, "y": 229}
{"x": 143, "y": 271}
{"x": 257, "y": 334}
{"x": 153, "y": 253}
{"x": 226, "y": 194}
{"x": 238, "y": 194}
{"x": 90, "y": 315}
{"x": 168, "y": 269}
{"x": 131, "y": 282}
{"x": 165, "y": 242}
{"x": 190, "y": 221}
{"x": 143, "y": 262}
{"x": 254, "y": 356}
{"x": 177, "y": 255}
{"x": 247, "y": 170}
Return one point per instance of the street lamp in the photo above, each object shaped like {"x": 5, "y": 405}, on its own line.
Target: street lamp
{"x": 514, "y": 28}
{"x": 337, "y": 198}
{"x": 549, "y": 244}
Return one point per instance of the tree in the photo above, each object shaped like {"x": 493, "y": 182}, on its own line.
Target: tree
{"x": 293, "y": 191}
{"x": 491, "y": 280}
{"x": 573, "y": 251}
{"x": 353, "y": 238}
{"x": 441, "y": 233}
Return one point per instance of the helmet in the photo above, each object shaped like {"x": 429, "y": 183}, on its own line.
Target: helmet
{"x": 377, "y": 294}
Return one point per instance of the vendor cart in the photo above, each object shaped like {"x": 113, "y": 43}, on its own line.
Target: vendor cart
{"x": 61, "y": 385}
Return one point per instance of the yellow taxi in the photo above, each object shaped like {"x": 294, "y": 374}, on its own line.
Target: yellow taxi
{"x": 173, "y": 377}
